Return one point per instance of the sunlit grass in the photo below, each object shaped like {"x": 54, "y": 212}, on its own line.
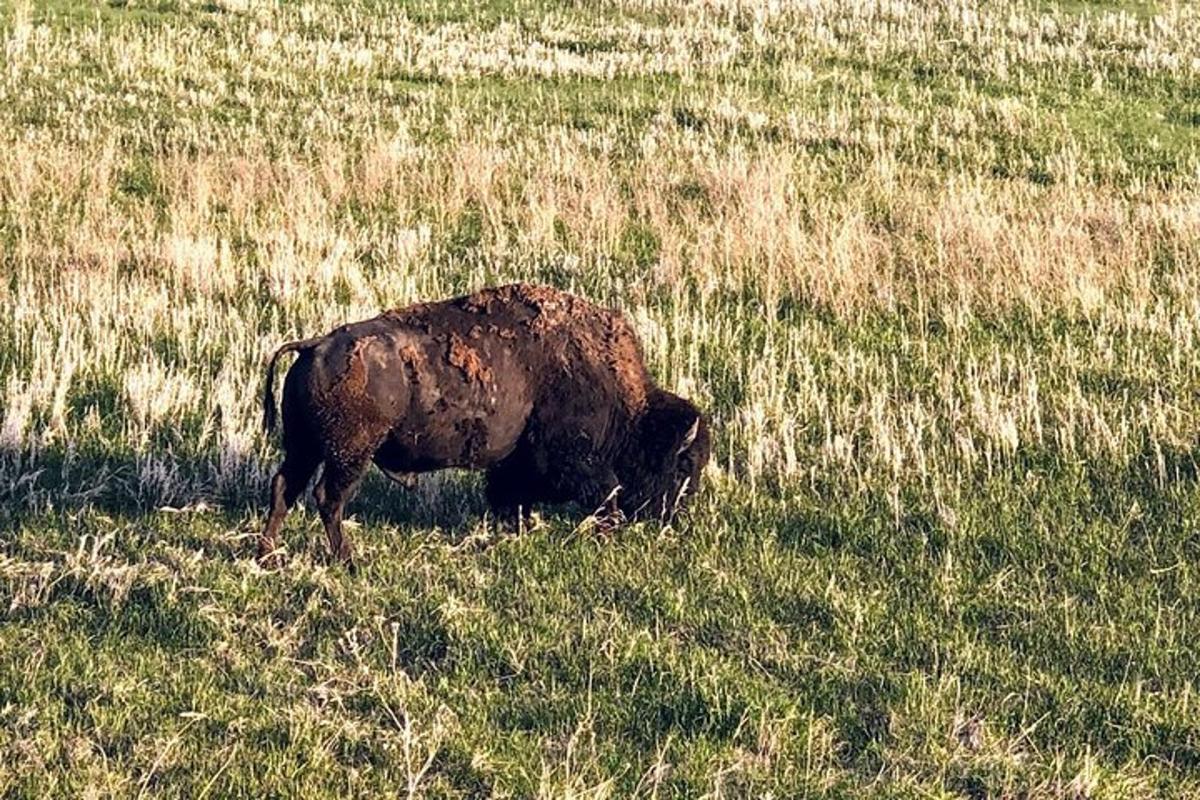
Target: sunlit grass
{"x": 931, "y": 267}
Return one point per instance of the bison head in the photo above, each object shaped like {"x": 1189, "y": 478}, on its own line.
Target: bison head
{"x": 661, "y": 465}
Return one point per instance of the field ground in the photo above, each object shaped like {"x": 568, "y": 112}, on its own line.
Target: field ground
{"x": 933, "y": 267}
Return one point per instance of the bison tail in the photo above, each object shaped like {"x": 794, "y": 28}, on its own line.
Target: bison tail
{"x": 268, "y": 401}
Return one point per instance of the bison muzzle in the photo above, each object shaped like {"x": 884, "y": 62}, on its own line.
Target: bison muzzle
{"x": 546, "y": 391}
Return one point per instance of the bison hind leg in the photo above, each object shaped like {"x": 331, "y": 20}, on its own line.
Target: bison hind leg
{"x": 286, "y": 486}
{"x": 337, "y": 485}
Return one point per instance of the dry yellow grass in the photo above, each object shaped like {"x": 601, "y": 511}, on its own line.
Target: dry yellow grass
{"x": 234, "y": 253}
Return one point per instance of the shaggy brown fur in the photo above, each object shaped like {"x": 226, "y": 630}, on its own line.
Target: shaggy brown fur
{"x": 546, "y": 391}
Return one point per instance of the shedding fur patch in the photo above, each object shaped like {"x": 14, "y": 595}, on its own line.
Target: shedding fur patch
{"x": 597, "y": 335}
{"x": 464, "y": 357}
{"x": 354, "y": 379}
{"x": 410, "y": 354}
{"x": 552, "y": 308}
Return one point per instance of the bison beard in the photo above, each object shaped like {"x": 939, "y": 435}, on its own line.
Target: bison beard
{"x": 547, "y": 392}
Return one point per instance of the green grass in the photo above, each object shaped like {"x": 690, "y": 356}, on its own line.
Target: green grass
{"x": 777, "y": 639}
{"x": 934, "y": 281}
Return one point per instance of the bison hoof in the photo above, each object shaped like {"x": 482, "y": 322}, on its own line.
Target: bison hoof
{"x": 345, "y": 559}
{"x": 513, "y": 518}
{"x": 609, "y": 519}
{"x": 270, "y": 557}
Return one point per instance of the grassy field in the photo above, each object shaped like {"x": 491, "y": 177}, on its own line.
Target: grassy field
{"x": 933, "y": 267}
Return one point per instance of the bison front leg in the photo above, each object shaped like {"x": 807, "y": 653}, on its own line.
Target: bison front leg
{"x": 604, "y": 503}
{"x": 594, "y": 486}
{"x": 512, "y": 493}
{"x": 515, "y": 485}
{"x": 506, "y": 495}
{"x": 337, "y": 485}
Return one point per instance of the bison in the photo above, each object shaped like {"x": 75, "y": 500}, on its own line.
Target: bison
{"x": 547, "y": 392}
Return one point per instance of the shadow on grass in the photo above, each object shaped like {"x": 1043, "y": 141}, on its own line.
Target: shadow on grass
{"x": 129, "y": 484}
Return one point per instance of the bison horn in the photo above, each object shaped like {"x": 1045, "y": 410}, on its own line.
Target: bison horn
{"x": 689, "y": 437}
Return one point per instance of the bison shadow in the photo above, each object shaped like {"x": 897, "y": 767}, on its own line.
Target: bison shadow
{"x": 126, "y": 483}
